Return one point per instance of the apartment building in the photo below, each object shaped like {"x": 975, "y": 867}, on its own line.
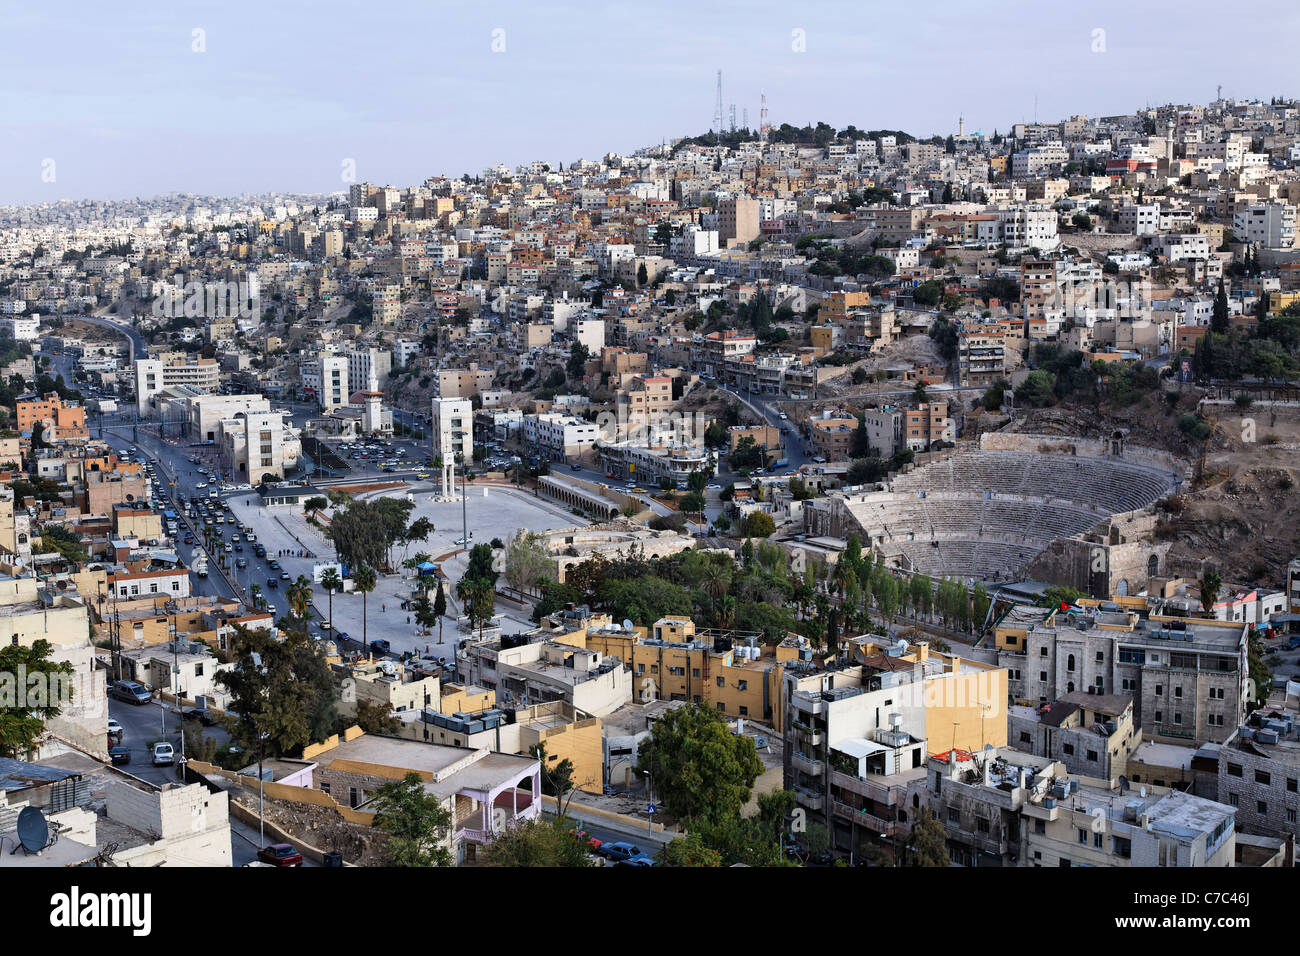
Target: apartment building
{"x": 1187, "y": 676}
{"x": 673, "y": 660}
{"x": 153, "y": 375}
{"x": 327, "y": 379}
{"x": 1259, "y": 773}
{"x": 981, "y": 356}
{"x": 738, "y": 221}
{"x": 1091, "y": 734}
{"x": 560, "y": 437}
{"x": 368, "y": 369}
{"x": 927, "y": 424}
{"x": 711, "y": 354}
{"x": 255, "y": 447}
{"x": 884, "y": 430}
{"x": 531, "y": 670}
{"x": 832, "y": 438}
{"x": 59, "y": 422}
{"x": 205, "y": 413}
{"x": 646, "y": 400}
{"x": 1271, "y": 225}
{"x": 835, "y": 760}
{"x": 1002, "y": 807}
{"x": 464, "y": 383}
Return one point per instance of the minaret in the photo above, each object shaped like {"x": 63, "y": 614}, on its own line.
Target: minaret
{"x": 961, "y": 126}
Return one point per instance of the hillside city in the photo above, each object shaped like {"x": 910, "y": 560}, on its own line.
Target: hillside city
{"x": 790, "y": 496}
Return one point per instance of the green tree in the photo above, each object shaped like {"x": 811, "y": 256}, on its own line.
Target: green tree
{"x": 23, "y": 717}
{"x": 1219, "y": 317}
{"x": 759, "y": 524}
{"x": 577, "y": 361}
{"x": 299, "y": 595}
{"x": 1209, "y": 584}
{"x": 557, "y": 775}
{"x": 688, "y": 850}
{"x": 700, "y": 769}
{"x": 542, "y": 842}
{"x": 415, "y": 820}
{"x": 440, "y": 607}
{"x": 927, "y": 845}
{"x": 374, "y": 718}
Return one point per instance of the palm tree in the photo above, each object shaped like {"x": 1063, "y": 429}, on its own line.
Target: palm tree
{"x": 365, "y": 580}
{"x": 726, "y": 607}
{"x": 299, "y": 595}
{"x": 257, "y": 595}
{"x": 331, "y": 582}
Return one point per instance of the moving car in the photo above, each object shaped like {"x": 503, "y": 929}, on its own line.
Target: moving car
{"x": 114, "y": 727}
{"x": 280, "y": 854}
{"x": 163, "y": 755}
{"x": 131, "y": 692}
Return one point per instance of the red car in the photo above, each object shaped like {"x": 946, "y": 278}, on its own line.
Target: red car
{"x": 592, "y": 843}
{"x": 280, "y": 854}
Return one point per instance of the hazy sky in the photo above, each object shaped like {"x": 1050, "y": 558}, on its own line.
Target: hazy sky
{"x": 286, "y": 90}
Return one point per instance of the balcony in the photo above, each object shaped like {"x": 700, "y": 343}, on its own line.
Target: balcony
{"x": 806, "y": 764}
{"x": 868, "y": 821}
{"x": 809, "y": 799}
{"x": 879, "y": 792}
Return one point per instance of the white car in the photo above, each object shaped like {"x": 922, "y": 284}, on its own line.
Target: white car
{"x": 200, "y": 486}
{"x": 114, "y": 727}
{"x": 163, "y": 755}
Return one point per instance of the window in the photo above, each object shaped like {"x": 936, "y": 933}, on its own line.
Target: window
{"x": 1101, "y": 657}
{"x": 1069, "y": 663}
{"x": 640, "y": 668}
{"x": 1042, "y": 675}
{"x": 324, "y": 786}
{"x": 1042, "y": 652}
{"x": 1262, "y": 807}
{"x": 954, "y": 815}
{"x": 982, "y": 826}
{"x": 722, "y": 706}
{"x": 722, "y": 682}
{"x": 1160, "y": 690}
{"x": 1291, "y": 816}
{"x": 1068, "y": 749}
{"x": 695, "y": 672}
{"x": 1040, "y": 827}
{"x": 1233, "y": 800}
{"x": 744, "y": 711}
{"x": 742, "y": 685}
{"x": 198, "y": 670}
{"x": 1262, "y": 776}
{"x": 1178, "y": 692}
{"x": 1234, "y": 770}
{"x": 1025, "y": 738}
{"x": 1178, "y": 718}
{"x": 1159, "y": 716}
{"x": 1097, "y": 839}
{"x": 1083, "y": 836}
{"x": 1092, "y": 756}
{"x": 1292, "y": 784}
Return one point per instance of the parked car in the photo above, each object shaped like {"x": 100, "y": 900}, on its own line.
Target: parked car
{"x": 591, "y": 842}
{"x": 381, "y": 646}
{"x": 272, "y": 582}
{"x": 204, "y": 716}
{"x": 119, "y": 754}
{"x": 131, "y": 692}
{"x": 619, "y": 852}
{"x": 114, "y": 727}
{"x": 280, "y": 854}
{"x": 163, "y": 755}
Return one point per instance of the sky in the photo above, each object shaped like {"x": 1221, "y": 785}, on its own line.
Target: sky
{"x": 140, "y": 98}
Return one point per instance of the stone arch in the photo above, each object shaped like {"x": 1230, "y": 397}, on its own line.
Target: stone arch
{"x": 1153, "y": 565}
{"x": 1122, "y": 588}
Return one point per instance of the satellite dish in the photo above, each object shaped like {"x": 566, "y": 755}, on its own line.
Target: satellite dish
{"x": 1143, "y": 791}
{"x": 33, "y": 830}
{"x": 627, "y": 624}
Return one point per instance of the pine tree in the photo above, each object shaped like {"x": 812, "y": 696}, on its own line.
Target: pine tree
{"x": 1219, "y": 319}
{"x": 927, "y": 846}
